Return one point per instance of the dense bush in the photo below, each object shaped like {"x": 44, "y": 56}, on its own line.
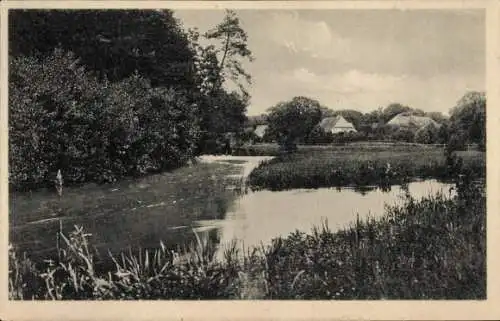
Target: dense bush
{"x": 64, "y": 118}
{"x": 427, "y": 135}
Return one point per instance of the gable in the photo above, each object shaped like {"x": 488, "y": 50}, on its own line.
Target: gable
{"x": 343, "y": 123}
{"x": 336, "y": 124}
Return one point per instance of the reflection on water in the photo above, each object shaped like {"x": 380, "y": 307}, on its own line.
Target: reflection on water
{"x": 260, "y": 216}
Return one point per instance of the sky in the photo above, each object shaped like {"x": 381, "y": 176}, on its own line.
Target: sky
{"x": 359, "y": 59}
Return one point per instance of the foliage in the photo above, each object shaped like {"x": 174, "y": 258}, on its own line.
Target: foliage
{"x": 427, "y": 135}
{"x": 113, "y": 43}
{"x": 222, "y": 111}
{"x": 438, "y": 117}
{"x": 292, "y": 121}
{"x": 233, "y": 46}
{"x": 64, "y": 118}
{"x": 468, "y": 119}
{"x": 402, "y": 134}
{"x": 394, "y": 109}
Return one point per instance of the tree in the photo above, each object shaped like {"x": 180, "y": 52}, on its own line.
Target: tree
{"x": 443, "y": 134}
{"x": 437, "y": 116}
{"x": 427, "y": 135}
{"x": 327, "y": 112}
{"x": 112, "y": 43}
{"x": 62, "y": 117}
{"x": 221, "y": 112}
{"x": 403, "y": 134}
{"x": 233, "y": 47}
{"x": 468, "y": 118}
{"x": 394, "y": 109}
{"x": 292, "y": 121}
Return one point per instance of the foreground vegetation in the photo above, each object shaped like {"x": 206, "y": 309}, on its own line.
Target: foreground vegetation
{"x": 358, "y": 166}
{"x": 433, "y": 248}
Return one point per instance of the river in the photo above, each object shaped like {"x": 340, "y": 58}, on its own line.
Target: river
{"x": 255, "y": 218}
{"x": 259, "y": 216}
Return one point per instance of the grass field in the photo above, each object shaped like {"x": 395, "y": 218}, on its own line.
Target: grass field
{"x": 434, "y": 248}
{"x": 133, "y": 212}
{"x": 352, "y": 165}
{"x": 272, "y": 149}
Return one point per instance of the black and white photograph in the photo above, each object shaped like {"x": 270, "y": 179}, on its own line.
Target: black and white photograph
{"x": 247, "y": 154}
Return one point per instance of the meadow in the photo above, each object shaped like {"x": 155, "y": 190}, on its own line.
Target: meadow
{"x": 433, "y": 248}
{"x": 273, "y": 149}
{"x": 366, "y": 165}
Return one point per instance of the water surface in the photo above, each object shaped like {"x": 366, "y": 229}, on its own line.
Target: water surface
{"x": 260, "y": 216}
{"x": 254, "y": 218}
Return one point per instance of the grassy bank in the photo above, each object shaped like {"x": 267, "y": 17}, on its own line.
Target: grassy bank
{"x": 432, "y": 248}
{"x": 131, "y": 213}
{"x": 359, "y": 166}
{"x": 272, "y": 149}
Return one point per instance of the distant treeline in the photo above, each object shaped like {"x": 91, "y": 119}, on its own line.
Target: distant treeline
{"x": 466, "y": 124}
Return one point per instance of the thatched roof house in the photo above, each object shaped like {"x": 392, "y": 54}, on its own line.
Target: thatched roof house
{"x": 337, "y": 124}
{"x": 407, "y": 120}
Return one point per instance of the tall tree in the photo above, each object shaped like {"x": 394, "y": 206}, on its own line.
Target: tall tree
{"x": 221, "y": 111}
{"x": 113, "y": 43}
{"x": 292, "y": 121}
{"x": 232, "y": 48}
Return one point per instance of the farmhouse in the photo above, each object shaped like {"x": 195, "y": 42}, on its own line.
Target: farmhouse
{"x": 337, "y": 124}
{"x": 412, "y": 121}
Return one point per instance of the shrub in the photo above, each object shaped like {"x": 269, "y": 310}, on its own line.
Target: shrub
{"x": 64, "y": 118}
{"x": 53, "y": 105}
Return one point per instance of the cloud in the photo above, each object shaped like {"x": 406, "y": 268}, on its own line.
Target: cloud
{"x": 364, "y": 91}
{"x": 349, "y": 82}
{"x": 301, "y": 35}
{"x": 360, "y": 59}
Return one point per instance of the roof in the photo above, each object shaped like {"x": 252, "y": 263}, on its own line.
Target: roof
{"x": 329, "y": 123}
{"x": 409, "y": 120}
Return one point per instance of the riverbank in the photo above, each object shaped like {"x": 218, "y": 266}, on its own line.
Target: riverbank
{"x": 360, "y": 167}
{"x": 433, "y": 248}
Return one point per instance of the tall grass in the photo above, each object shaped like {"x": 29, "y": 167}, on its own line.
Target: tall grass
{"x": 429, "y": 249}
{"x": 433, "y": 248}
